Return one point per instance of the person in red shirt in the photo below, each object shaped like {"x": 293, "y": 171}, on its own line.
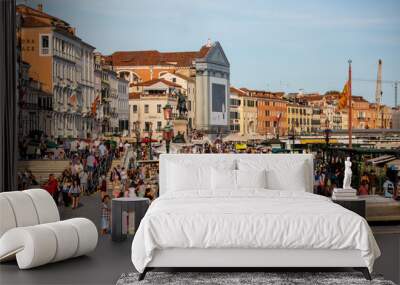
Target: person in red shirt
{"x": 363, "y": 190}
{"x": 52, "y": 187}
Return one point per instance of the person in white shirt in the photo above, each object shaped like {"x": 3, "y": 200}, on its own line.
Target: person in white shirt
{"x": 84, "y": 182}
{"x": 102, "y": 149}
{"x": 126, "y": 145}
{"x": 73, "y": 147}
{"x": 124, "y": 176}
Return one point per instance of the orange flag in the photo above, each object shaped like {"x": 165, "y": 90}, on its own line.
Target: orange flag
{"x": 344, "y": 97}
{"x": 94, "y": 105}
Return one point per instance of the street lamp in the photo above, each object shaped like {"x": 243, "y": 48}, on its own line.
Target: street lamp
{"x": 327, "y": 132}
{"x": 150, "y": 131}
{"x": 136, "y": 129}
{"x": 295, "y": 125}
{"x": 168, "y": 131}
{"x": 167, "y": 111}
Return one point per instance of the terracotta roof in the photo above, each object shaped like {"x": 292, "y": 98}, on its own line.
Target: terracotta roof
{"x": 313, "y": 97}
{"x": 134, "y": 95}
{"x": 31, "y": 22}
{"x": 26, "y": 10}
{"x": 154, "y": 57}
{"x": 358, "y": 99}
{"x": 237, "y": 91}
{"x": 154, "y": 81}
{"x": 184, "y": 77}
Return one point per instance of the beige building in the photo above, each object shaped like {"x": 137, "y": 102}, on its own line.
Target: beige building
{"x": 235, "y": 109}
{"x": 209, "y": 66}
{"x": 248, "y": 118}
{"x": 147, "y": 106}
{"x": 64, "y": 65}
{"x": 188, "y": 88}
{"x": 35, "y": 105}
{"x": 299, "y": 118}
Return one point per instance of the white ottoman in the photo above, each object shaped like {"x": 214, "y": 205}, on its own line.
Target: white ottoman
{"x": 40, "y": 244}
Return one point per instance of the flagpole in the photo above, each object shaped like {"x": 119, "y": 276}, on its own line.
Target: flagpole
{"x": 350, "y": 107}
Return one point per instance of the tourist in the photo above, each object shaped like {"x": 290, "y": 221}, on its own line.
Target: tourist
{"x": 117, "y": 187}
{"x": 365, "y": 180}
{"x": 373, "y": 181}
{"x": 90, "y": 162}
{"x": 52, "y": 187}
{"x": 388, "y": 188}
{"x": 105, "y": 214}
{"x": 363, "y": 190}
{"x": 67, "y": 147}
{"x": 65, "y": 191}
{"x": 102, "y": 149}
{"x": 124, "y": 176}
{"x": 83, "y": 177}
{"x": 75, "y": 192}
{"x": 121, "y": 147}
{"x": 103, "y": 186}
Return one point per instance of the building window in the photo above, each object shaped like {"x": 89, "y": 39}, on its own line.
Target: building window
{"x": 134, "y": 108}
{"x": 159, "y": 126}
{"x": 174, "y": 80}
{"x": 146, "y": 126}
{"x": 189, "y": 105}
{"x": 44, "y": 45}
{"x": 158, "y": 108}
{"x": 146, "y": 108}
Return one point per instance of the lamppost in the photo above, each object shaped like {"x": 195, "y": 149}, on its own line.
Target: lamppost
{"x": 150, "y": 132}
{"x": 168, "y": 131}
{"x": 327, "y": 132}
{"x": 294, "y": 134}
{"x": 136, "y": 129}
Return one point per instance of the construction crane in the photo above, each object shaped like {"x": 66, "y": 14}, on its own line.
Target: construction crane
{"x": 394, "y": 82}
{"x": 378, "y": 91}
{"x": 379, "y": 81}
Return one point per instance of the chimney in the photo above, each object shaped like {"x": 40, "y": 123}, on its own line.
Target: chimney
{"x": 40, "y": 7}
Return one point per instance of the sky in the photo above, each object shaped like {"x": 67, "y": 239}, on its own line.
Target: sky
{"x": 285, "y": 45}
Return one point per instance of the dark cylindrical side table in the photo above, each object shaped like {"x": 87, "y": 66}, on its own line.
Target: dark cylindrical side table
{"x": 121, "y": 209}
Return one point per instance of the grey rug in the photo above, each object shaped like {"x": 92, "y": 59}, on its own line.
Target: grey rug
{"x": 236, "y": 278}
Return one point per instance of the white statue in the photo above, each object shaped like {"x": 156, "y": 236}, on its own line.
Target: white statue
{"x": 347, "y": 174}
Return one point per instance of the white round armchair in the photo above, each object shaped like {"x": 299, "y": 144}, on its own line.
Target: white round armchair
{"x": 31, "y": 230}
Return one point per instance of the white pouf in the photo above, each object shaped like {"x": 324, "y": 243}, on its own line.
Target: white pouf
{"x": 31, "y": 233}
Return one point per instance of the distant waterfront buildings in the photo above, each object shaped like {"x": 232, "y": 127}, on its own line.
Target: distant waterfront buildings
{"x": 69, "y": 90}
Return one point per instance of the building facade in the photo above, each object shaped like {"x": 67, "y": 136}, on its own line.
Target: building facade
{"x": 64, "y": 66}
{"x": 299, "y": 118}
{"x": 35, "y": 105}
{"x": 147, "y": 106}
{"x": 123, "y": 106}
{"x": 271, "y": 113}
{"x": 209, "y": 67}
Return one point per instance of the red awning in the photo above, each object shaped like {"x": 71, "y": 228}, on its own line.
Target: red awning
{"x": 147, "y": 140}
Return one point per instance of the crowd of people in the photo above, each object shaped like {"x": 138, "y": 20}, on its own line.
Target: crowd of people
{"x": 90, "y": 161}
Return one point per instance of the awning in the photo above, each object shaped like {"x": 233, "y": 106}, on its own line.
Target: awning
{"x": 234, "y": 137}
{"x": 317, "y": 141}
{"x": 394, "y": 164}
{"x": 381, "y": 159}
{"x": 147, "y": 140}
{"x": 241, "y": 146}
